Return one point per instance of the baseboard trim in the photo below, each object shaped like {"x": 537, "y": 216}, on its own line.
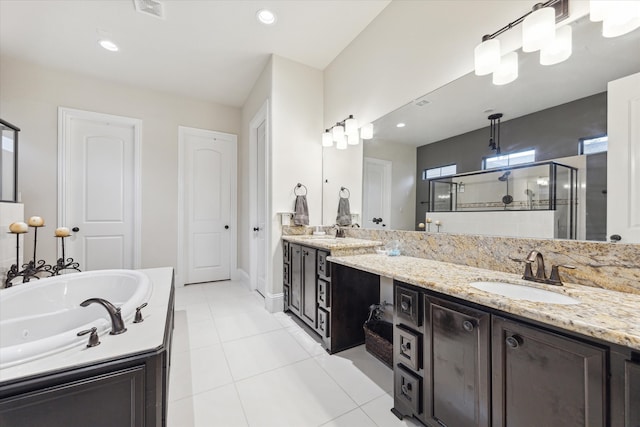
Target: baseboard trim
{"x": 274, "y": 303}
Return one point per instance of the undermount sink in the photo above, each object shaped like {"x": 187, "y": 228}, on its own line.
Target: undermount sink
{"x": 522, "y": 292}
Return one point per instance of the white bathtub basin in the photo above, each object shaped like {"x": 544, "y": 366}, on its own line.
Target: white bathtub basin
{"x": 43, "y": 316}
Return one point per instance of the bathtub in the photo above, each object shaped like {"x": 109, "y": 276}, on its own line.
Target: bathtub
{"x": 43, "y": 317}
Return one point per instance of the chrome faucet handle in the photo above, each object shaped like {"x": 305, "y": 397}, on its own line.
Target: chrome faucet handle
{"x": 93, "y": 338}
{"x": 555, "y": 275}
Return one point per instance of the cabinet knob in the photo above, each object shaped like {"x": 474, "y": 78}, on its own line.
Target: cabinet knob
{"x": 514, "y": 341}
{"x": 404, "y": 305}
{"x": 75, "y": 229}
{"x": 405, "y": 347}
{"x": 406, "y": 389}
{"x": 467, "y": 326}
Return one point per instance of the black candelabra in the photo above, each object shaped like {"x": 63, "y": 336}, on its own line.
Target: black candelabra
{"x": 64, "y": 263}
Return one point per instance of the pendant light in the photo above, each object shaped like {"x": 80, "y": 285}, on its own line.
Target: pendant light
{"x": 337, "y": 132}
{"x": 620, "y": 17}
{"x": 507, "y": 71}
{"x": 539, "y": 28}
{"x": 327, "y": 139}
{"x": 341, "y": 143}
{"x": 486, "y": 56}
{"x": 351, "y": 126}
{"x": 560, "y": 49}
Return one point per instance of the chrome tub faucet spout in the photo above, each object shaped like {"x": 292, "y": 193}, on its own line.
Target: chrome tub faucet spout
{"x": 117, "y": 324}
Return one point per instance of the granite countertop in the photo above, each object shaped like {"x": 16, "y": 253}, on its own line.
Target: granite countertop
{"x": 603, "y": 314}
{"x": 339, "y": 246}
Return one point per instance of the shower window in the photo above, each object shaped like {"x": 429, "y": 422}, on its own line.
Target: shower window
{"x": 439, "y": 172}
{"x": 511, "y": 159}
{"x": 593, "y": 145}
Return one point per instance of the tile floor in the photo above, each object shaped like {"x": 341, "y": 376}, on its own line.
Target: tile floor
{"x": 235, "y": 364}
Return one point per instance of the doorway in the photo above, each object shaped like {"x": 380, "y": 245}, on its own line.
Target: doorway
{"x": 99, "y": 188}
{"x": 376, "y": 198}
{"x": 207, "y": 205}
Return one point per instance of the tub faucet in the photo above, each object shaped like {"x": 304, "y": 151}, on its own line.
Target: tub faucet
{"x": 117, "y": 324}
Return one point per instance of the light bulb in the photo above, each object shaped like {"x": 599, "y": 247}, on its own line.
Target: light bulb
{"x": 620, "y": 17}
{"x": 351, "y": 126}
{"x": 327, "y": 139}
{"x": 337, "y": 132}
{"x": 353, "y": 138}
{"x": 508, "y": 69}
{"x": 341, "y": 143}
{"x": 560, "y": 49}
{"x": 366, "y": 132}
{"x": 538, "y": 29}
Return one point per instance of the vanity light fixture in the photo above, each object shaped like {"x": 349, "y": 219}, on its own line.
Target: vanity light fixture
{"x": 538, "y": 32}
{"x": 618, "y": 17}
{"x": 559, "y": 50}
{"x": 346, "y": 133}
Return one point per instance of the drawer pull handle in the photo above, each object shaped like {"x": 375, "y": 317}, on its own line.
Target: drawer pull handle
{"x": 404, "y": 305}
{"x": 514, "y": 341}
{"x": 406, "y": 389}
{"x": 467, "y": 326}
{"x": 405, "y": 347}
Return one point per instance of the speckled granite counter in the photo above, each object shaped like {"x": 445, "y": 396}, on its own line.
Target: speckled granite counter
{"x": 607, "y": 315}
{"x": 342, "y": 246}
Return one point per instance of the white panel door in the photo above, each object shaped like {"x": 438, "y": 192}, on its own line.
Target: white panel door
{"x": 261, "y": 207}
{"x": 623, "y": 159}
{"x": 376, "y": 194}
{"x": 207, "y": 204}
{"x": 98, "y": 160}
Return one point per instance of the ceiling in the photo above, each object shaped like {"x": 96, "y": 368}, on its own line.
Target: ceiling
{"x": 207, "y": 49}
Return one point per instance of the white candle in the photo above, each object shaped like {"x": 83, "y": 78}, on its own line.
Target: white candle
{"x": 437, "y": 222}
{"x": 35, "y": 221}
{"x": 62, "y": 232}
{"x": 421, "y": 225}
{"x": 428, "y": 220}
{"x": 18, "y": 227}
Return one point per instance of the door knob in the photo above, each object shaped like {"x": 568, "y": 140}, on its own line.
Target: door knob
{"x": 75, "y": 229}
{"x": 615, "y": 237}
{"x": 226, "y": 227}
{"x": 256, "y": 228}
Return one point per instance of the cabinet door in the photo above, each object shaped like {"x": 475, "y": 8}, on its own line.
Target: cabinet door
{"x": 457, "y": 364}
{"x": 295, "y": 296}
{"x": 632, "y": 394}
{"x": 309, "y": 304}
{"x": 544, "y": 379}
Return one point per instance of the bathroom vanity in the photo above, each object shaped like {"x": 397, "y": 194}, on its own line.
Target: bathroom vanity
{"x": 331, "y": 300}
{"x": 122, "y": 382}
{"x": 466, "y": 357}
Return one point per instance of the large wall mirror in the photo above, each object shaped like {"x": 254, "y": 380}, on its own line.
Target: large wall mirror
{"x": 450, "y": 126}
{"x": 9, "y": 162}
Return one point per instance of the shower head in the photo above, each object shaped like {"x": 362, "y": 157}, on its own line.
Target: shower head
{"x": 528, "y": 192}
{"x": 504, "y": 176}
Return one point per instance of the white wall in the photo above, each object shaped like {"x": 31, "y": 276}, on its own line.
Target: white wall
{"x": 296, "y": 151}
{"x": 31, "y": 95}
{"x": 341, "y": 168}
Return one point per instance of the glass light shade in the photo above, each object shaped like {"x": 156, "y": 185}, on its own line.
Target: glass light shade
{"x": 597, "y": 10}
{"x": 538, "y": 29}
{"x": 487, "y": 57}
{"x": 353, "y": 138}
{"x": 508, "y": 69}
{"x": 341, "y": 143}
{"x": 366, "y": 132}
{"x": 327, "y": 139}
{"x": 620, "y": 17}
{"x": 337, "y": 132}
{"x": 560, "y": 49}
{"x": 351, "y": 126}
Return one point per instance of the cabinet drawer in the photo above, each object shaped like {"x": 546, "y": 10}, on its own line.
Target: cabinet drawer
{"x": 324, "y": 293}
{"x": 286, "y": 297}
{"x": 286, "y": 251}
{"x": 409, "y": 345}
{"x": 285, "y": 274}
{"x": 323, "y": 266}
{"x": 323, "y": 323}
{"x": 407, "y": 306}
{"x": 408, "y": 390}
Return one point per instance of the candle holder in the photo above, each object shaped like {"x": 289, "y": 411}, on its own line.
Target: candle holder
{"x": 35, "y": 267}
{"x": 438, "y": 225}
{"x": 64, "y": 263}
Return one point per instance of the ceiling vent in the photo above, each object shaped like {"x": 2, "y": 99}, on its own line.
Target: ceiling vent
{"x": 421, "y": 102}
{"x": 150, "y": 7}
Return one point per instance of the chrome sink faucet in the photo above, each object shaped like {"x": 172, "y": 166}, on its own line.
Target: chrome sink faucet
{"x": 541, "y": 274}
{"x": 117, "y": 324}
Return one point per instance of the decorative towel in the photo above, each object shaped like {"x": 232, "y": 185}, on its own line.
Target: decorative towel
{"x": 344, "y": 212}
{"x": 301, "y": 214}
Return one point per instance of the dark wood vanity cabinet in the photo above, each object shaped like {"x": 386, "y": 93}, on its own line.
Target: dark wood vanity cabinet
{"x": 331, "y": 299}
{"x": 625, "y": 387}
{"x": 546, "y": 377}
{"x": 460, "y": 364}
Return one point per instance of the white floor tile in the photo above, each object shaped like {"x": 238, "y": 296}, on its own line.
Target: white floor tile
{"x": 351, "y": 376}
{"x": 197, "y": 371}
{"x": 261, "y": 353}
{"x": 199, "y": 313}
{"x": 355, "y": 418}
{"x": 218, "y": 407}
{"x": 202, "y": 334}
{"x": 379, "y": 410}
{"x": 310, "y": 343}
{"x": 297, "y": 395}
{"x": 188, "y": 295}
{"x": 233, "y": 305}
{"x": 246, "y": 324}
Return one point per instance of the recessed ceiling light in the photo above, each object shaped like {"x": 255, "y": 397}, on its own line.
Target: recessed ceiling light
{"x": 266, "y": 17}
{"x": 400, "y": 125}
{"x": 109, "y": 45}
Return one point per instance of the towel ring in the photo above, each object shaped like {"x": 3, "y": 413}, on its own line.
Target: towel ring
{"x": 344, "y": 190}
{"x": 295, "y": 189}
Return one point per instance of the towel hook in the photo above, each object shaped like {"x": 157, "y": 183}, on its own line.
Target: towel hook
{"x": 344, "y": 190}
{"x": 298, "y": 186}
